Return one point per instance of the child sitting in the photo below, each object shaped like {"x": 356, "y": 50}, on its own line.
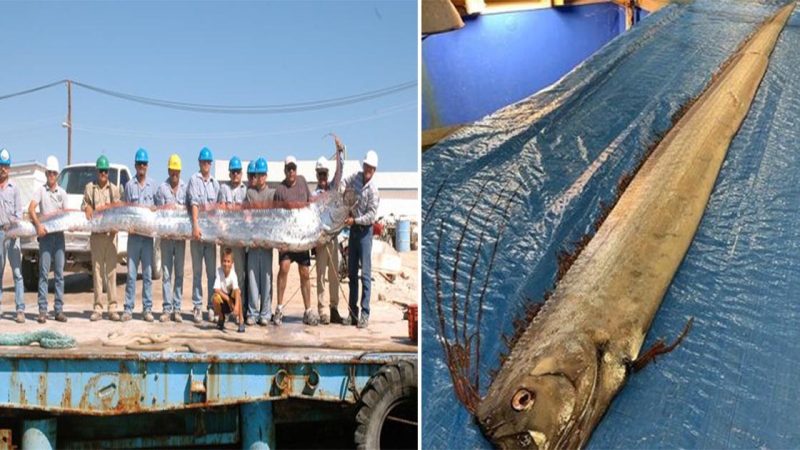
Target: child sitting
{"x": 227, "y": 296}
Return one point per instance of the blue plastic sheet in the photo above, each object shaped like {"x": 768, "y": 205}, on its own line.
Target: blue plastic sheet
{"x": 503, "y": 197}
{"x": 734, "y": 382}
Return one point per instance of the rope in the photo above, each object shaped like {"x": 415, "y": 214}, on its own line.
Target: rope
{"x": 45, "y": 339}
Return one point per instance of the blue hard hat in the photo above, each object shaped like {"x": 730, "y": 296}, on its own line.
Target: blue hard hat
{"x": 251, "y": 167}
{"x": 235, "y": 164}
{"x": 205, "y": 155}
{"x": 5, "y": 157}
{"x": 261, "y": 165}
{"x": 141, "y": 156}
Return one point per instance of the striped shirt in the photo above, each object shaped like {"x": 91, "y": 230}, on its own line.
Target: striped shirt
{"x": 142, "y": 195}
{"x": 200, "y": 191}
{"x": 368, "y": 198}
{"x": 235, "y": 196}
{"x": 166, "y": 196}
{"x": 10, "y": 204}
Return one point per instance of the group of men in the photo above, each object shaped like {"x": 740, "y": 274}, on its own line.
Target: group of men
{"x": 246, "y": 277}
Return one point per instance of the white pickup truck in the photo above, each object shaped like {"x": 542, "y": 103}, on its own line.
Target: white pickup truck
{"x": 78, "y": 257}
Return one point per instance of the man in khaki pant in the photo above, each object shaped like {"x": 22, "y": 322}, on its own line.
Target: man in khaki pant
{"x": 104, "y": 251}
{"x": 327, "y": 254}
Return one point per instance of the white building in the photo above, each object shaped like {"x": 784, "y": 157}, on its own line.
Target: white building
{"x": 28, "y": 175}
{"x": 399, "y": 190}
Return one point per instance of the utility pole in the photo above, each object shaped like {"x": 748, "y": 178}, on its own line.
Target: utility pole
{"x": 69, "y": 122}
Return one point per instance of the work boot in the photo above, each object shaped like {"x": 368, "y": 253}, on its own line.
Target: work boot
{"x": 113, "y": 316}
{"x": 221, "y": 322}
{"x": 241, "y": 328}
{"x": 61, "y": 317}
{"x": 198, "y": 316}
{"x": 363, "y": 322}
{"x": 164, "y": 317}
{"x": 324, "y": 319}
{"x": 310, "y": 318}
{"x": 176, "y": 316}
{"x": 335, "y": 317}
{"x": 250, "y": 321}
{"x": 42, "y": 317}
{"x": 20, "y": 317}
{"x": 148, "y": 316}
{"x": 277, "y": 318}
{"x": 349, "y": 320}
{"x": 97, "y": 315}
{"x": 211, "y": 316}
{"x": 126, "y": 316}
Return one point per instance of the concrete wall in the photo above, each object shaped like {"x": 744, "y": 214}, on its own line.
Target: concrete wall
{"x": 498, "y": 59}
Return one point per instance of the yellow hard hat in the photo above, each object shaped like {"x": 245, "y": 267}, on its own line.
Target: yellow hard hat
{"x": 174, "y": 162}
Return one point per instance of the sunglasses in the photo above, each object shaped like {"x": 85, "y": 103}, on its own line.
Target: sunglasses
{"x": 103, "y": 171}
{"x": 51, "y": 172}
{"x": 143, "y": 164}
{"x": 290, "y": 168}
{"x": 236, "y": 171}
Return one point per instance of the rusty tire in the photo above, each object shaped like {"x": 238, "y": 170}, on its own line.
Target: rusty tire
{"x": 391, "y": 391}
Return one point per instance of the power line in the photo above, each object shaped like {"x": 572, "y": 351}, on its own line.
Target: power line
{"x": 30, "y": 91}
{"x": 255, "y": 109}
{"x": 235, "y": 109}
{"x": 241, "y": 134}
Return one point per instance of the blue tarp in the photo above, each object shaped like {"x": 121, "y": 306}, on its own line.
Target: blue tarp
{"x": 503, "y": 197}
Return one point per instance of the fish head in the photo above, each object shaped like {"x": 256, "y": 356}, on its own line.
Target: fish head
{"x": 535, "y": 403}
{"x": 349, "y": 198}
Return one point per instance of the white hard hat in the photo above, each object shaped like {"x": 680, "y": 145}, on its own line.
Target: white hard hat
{"x": 52, "y": 164}
{"x": 322, "y": 164}
{"x": 371, "y": 159}
{"x": 290, "y": 160}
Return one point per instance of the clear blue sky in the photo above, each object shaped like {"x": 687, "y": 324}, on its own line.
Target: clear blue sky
{"x": 237, "y": 53}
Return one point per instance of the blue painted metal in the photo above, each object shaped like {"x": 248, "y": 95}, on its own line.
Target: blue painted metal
{"x": 258, "y": 426}
{"x": 109, "y": 387}
{"x": 39, "y": 434}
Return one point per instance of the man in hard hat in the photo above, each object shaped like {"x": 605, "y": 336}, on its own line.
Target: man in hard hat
{"x": 360, "y": 241}
{"x": 141, "y": 191}
{"x": 172, "y": 193}
{"x": 202, "y": 192}
{"x": 251, "y": 175}
{"x": 49, "y": 198}
{"x": 259, "y": 260}
{"x": 102, "y": 245}
{"x": 294, "y": 190}
{"x": 327, "y": 255}
{"x": 232, "y": 195}
{"x": 10, "y": 212}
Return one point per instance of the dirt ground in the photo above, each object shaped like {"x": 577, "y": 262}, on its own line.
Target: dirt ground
{"x": 388, "y": 331}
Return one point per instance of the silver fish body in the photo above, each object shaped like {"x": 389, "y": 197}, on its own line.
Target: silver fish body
{"x": 288, "y": 229}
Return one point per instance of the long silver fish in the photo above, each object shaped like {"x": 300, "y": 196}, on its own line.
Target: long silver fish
{"x": 285, "y": 227}
{"x": 577, "y": 353}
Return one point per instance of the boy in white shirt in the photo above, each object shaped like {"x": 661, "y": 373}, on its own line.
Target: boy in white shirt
{"x": 227, "y": 296}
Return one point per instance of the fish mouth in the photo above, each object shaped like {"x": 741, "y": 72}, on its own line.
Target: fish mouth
{"x": 530, "y": 439}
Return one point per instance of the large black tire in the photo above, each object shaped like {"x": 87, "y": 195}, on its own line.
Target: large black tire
{"x": 390, "y": 392}
{"x": 30, "y": 275}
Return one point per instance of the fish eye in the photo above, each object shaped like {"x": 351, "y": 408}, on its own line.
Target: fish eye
{"x": 523, "y": 399}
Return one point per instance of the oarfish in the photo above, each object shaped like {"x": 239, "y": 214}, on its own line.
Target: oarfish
{"x": 288, "y": 227}
{"x": 577, "y": 353}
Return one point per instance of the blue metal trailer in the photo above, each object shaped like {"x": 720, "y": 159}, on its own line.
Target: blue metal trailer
{"x": 93, "y": 397}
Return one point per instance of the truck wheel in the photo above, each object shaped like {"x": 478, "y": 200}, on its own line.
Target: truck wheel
{"x": 387, "y": 412}
{"x": 30, "y": 275}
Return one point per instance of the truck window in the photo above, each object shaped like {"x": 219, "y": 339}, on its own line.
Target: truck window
{"x": 113, "y": 174}
{"x": 124, "y": 179}
{"x": 74, "y": 179}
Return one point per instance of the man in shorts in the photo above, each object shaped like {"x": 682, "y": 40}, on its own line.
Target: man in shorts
{"x": 293, "y": 191}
